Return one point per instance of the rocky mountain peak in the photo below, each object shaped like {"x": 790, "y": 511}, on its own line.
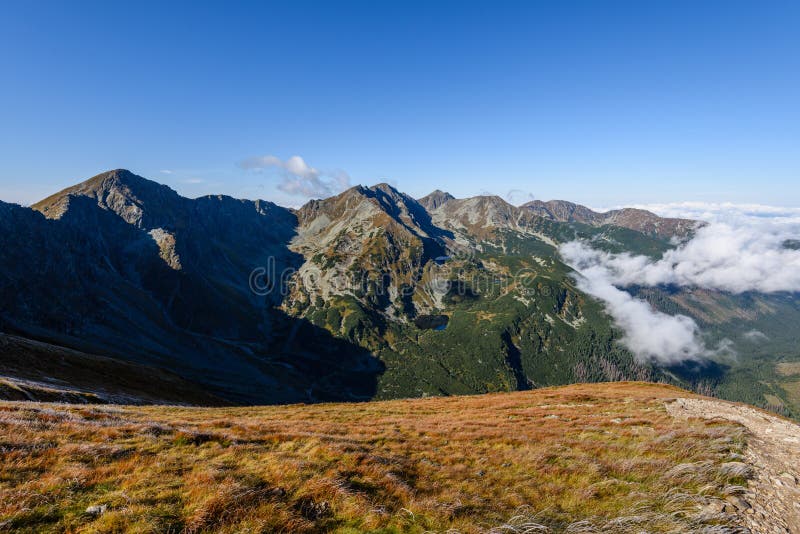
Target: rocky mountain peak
{"x": 563, "y": 211}
{"x": 435, "y": 199}
{"x": 139, "y": 201}
{"x": 384, "y": 188}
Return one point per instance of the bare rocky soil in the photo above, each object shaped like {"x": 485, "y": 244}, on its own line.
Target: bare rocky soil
{"x": 771, "y": 502}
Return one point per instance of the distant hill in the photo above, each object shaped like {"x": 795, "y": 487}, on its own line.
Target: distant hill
{"x": 634, "y": 219}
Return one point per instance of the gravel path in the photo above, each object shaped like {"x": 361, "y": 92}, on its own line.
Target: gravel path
{"x": 772, "y": 501}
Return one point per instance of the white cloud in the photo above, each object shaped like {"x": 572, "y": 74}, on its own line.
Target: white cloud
{"x": 741, "y": 249}
{"x": 166, "y": 171}
{"x": 726, "y": 212}
{"x": 651, "y": 335}
{"x": 720, "y": 256}
{"x": 755, "y": 336}
{"x": 261, "y": 162}
{"x": 298, "y": 178}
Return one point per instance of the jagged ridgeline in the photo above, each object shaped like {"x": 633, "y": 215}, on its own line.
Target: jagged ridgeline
{"x": 368, "y": 294}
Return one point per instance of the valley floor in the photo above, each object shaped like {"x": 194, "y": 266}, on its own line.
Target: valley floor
{"x": 615, "y": 457}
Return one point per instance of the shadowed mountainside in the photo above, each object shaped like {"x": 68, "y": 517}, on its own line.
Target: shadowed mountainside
{"x": 124, "y": 267}
{"x": 32, "y": 370}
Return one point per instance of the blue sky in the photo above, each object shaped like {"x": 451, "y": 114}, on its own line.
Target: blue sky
{"x": 601, "y": 102}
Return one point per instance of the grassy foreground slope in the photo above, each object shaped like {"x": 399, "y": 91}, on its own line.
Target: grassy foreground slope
{"x": 607, "y": 455}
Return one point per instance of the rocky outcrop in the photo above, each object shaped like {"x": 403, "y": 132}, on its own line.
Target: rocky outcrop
{"x": 371, "y": 243}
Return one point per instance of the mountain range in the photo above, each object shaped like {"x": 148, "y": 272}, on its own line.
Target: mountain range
{"x": 369, "y": 294}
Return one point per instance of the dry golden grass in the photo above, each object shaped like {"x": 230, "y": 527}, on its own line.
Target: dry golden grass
{"x": 605, "y": 454}
{"x": 792, "y": 389}
{"x": 788, "y": 368}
